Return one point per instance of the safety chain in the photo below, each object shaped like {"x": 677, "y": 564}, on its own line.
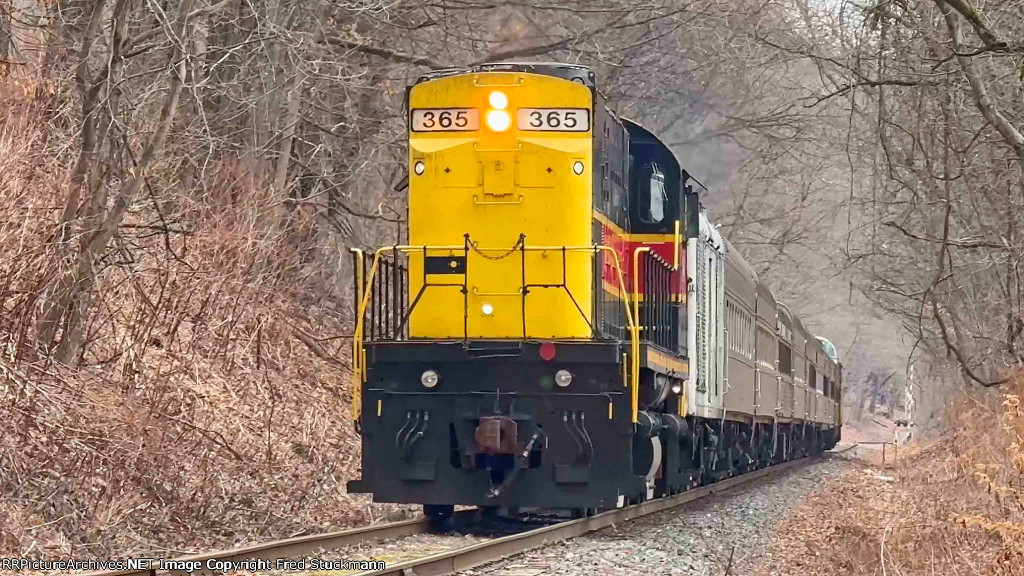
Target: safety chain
{"x": 519, "y": 244}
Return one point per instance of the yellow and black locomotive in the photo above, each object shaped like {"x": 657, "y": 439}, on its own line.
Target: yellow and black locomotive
{"x": 560, "y": 329}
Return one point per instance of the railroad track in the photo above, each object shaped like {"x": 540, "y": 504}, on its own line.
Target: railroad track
{"x": 457, "y": 559}
{"x": 296, "y": 547}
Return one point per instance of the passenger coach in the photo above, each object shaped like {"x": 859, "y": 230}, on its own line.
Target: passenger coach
{"x": 564, "y": 328}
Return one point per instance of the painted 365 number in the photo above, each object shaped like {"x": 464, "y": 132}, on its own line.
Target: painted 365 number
{"x": 445, "y": 119}
{"x": 554, "y": 119}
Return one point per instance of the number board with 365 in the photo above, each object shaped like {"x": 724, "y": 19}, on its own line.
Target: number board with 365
{"x": 553, "y": 119}
{"x": 445, "y": 119}
{"x": 527, "y": 119}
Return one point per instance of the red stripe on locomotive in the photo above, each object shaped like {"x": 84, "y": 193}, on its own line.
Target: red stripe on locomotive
{"x": 624, "y": 247}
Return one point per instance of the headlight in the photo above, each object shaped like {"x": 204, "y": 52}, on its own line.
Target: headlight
{"x": 677, "y": 388}
{"x": 577, "y": 167}
{"x": 487, "y": 309}
{"x": 498, "y": 100}
{"x": 563, "y": 378}
{"x": 429, "y": 379}
{"x": 419, "y": 167}
{"x": 498, "y": 120}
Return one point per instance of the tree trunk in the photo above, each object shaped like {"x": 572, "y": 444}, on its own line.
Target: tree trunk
{"x": 292, "y": 107}
{"x": 67, "y": 310}
{"x": 5, "y": 41}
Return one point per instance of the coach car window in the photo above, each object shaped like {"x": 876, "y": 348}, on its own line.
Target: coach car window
{"x": 785, "y": 359}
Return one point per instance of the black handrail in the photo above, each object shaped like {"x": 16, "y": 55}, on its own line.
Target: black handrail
{"x": 658, "y": 313}
{"x": 389, "y": 308}
{"x": 387, "y": 311}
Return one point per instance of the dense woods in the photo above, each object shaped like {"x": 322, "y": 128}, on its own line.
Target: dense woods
{"x": 181, "y": 180}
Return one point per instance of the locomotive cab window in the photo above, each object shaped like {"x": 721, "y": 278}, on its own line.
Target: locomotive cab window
{"x": 653, "y": 198}
{"x": 654, "y": 184}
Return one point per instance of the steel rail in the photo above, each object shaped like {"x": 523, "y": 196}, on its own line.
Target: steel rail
{"x": 469, "y": 557}
{"x": 289, "y": 547}
{"x": 454, "y": 560}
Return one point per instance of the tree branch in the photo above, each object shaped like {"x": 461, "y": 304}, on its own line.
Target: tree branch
{"x": 957, "y": 353}
{"x": 385, "y": 53}
{"x": 990, "y": 38}
{"x": 993, "y": 116}
{"x": 969, "y": 245}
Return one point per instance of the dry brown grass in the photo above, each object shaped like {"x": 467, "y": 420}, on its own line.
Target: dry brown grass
{"x": 211, "y": 404}
{"x": 951, "y": 506}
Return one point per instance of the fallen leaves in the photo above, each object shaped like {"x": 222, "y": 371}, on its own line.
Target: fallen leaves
{"x": 951, "y": 506}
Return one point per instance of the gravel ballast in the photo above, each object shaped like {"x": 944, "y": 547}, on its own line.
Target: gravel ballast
{"x": 724, "y": 532}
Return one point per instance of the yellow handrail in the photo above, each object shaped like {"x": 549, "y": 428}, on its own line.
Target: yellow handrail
{"x": 677, "y": 238}
{"x": 357, "y": 341}
{"x": 366, "y": 285}
{"x": 635, "y": 337}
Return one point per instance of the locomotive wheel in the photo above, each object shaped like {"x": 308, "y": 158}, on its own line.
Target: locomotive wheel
{"x": 578, "y": 513}
{"x": 489, "y": 512}
{"x": 440, "y": 517}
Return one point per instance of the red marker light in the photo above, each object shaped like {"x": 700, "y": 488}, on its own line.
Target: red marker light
{"x": 547, "y": 351}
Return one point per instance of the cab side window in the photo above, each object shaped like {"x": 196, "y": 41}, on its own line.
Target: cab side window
{"x": 653, "y": 197}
